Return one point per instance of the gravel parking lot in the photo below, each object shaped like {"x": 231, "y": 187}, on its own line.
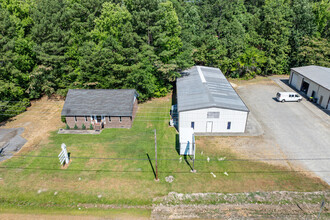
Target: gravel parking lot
{"x": 300, "y": 130}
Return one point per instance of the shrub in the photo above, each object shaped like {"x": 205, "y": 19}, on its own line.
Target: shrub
{"x": 67, "y": 127}
{"x": 91, "y": 127}
{"x": 75, "y": 127}
{"x": 83, "y": 126}
{"x": 63, "y": 119}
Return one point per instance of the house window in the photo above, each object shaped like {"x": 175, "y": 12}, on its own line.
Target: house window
{"x": 75, "y": 118}
{"x": 93, "y": 118}
{"x": 228, "y": 125}
{"x": 86, "y": 118}
{"x": 213, "y": 114}
{"x": 109, "y": 118}
{"x": 193, "y": 125}
{"x": 120, "y": 119}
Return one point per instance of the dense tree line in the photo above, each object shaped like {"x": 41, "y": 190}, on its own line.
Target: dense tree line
{"x": 49, "y": 46}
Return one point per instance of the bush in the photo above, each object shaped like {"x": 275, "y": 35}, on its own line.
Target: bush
{"x": 63, "y": 119}
{"x": 83, "y": 126}
{"x": 67, "y": 127}
{"x": 75, "y": 127}
{"x": 91, "y": 127}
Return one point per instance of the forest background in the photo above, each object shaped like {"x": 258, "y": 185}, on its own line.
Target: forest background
{"x": 50, "y": 46}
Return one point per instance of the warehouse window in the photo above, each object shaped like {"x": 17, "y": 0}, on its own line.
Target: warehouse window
{"x": 120, "y": 119}
{"x": 109, "y": 118}
{"x": 213, "y": 114}
{"x": 228, "y": 125}
{"x": 75, "y": 118}
{"x": 86, "y": 118}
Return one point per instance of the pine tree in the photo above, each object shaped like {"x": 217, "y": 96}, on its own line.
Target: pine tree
{"x": 275, "y": 30}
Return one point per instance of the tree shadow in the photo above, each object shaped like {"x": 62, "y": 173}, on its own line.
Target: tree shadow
{"x": 3, "y": 123}
{"x": 174, "y": 101}
{"x": 153, "y": 170}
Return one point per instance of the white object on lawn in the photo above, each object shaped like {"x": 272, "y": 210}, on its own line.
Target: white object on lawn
{"x": 63, "y": 156}
{"x": 221, "y": 158}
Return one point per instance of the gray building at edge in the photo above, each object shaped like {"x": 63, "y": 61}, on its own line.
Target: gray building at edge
{"x": 314, "y": 81}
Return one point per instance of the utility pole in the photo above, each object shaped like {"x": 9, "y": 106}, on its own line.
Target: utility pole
{"x": 156, "y": 156}
{"x": 322, "y": 205}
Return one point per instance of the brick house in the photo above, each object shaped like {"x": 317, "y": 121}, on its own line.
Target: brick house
{"x": 103, "y": 108}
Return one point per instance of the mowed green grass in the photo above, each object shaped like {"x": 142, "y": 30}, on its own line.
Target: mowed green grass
{"x": 113, "y": 168}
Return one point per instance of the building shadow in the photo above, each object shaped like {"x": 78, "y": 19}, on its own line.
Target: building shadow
{"x": 177, "y": 144}
{"x": 286, "y": 82}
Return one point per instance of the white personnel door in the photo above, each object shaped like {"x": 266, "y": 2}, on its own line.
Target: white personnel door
{"x": 209, "y": 126}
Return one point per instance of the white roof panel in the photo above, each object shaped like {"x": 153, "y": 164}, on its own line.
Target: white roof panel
{"x": 206, "y": 87}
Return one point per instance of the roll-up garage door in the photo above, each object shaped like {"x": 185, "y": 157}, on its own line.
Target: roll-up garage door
{"x": 294, "y": 80}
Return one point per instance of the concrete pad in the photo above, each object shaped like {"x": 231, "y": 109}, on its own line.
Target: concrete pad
{"x": 10, "y": 142}
{"x": 63, "y": 131}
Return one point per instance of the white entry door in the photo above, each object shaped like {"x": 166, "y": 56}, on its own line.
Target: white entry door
{"x": 209, "y": 126}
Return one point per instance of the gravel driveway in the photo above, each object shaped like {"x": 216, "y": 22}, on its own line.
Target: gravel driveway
{"x": 300, "y": 130}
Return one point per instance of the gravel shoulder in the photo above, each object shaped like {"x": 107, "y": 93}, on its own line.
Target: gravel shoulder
{"x": 257, "y": 205}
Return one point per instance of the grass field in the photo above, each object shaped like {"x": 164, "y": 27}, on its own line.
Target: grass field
{"x": 113, "y": 168}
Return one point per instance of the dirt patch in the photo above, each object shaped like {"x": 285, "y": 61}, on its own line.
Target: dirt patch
{"x": 165, "y": 99}
{"x": 41, "y": 117}
{"x": 257, "y": 80}
{"x": 245, "y": 147}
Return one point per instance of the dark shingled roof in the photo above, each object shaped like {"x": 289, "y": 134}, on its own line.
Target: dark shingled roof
{"x": 206, "y": 87}
{"x": 103, "y": 102}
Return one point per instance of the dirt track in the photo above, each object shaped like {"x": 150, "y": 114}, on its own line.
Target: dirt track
{"x": 41, "y": 117}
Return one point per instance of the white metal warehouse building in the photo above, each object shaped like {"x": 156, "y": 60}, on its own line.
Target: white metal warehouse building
{"x": 207, "y": 102}
{"x": 314, "y": 81}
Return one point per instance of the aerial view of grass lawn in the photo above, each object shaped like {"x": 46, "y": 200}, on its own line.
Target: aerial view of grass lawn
{"x": 116, "y": 169}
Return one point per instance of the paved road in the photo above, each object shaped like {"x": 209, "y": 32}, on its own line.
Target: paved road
{"x": 300, "y": 132}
